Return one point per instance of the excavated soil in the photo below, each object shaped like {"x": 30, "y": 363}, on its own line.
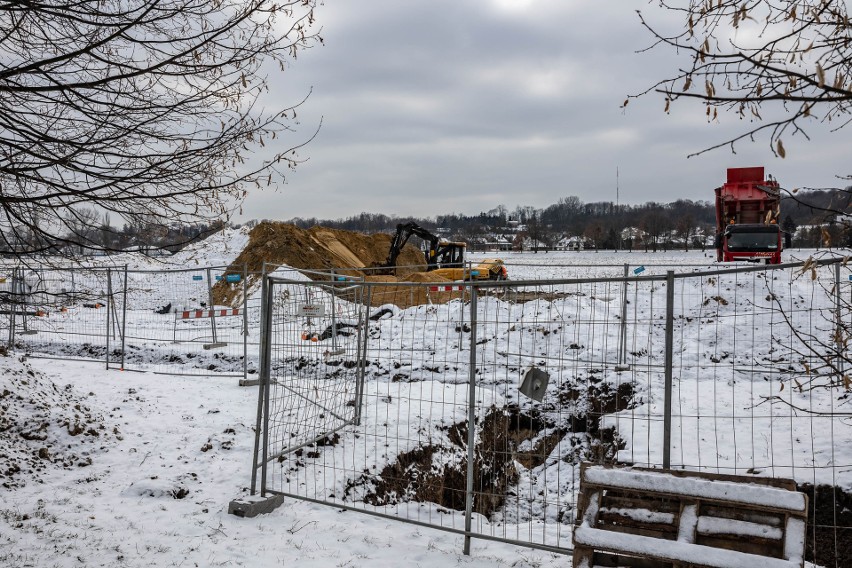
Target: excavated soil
{"x": 322, "y": 249}
{"x": 436, "y": 473}
{"x": 829, "y": 538}
{"x": 406, "y": 296}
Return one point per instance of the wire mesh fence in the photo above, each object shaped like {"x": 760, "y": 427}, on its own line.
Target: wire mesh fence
{"x": 180, "y": 322}
{"x": 191, "y": 321}
{"x": 62, "y": 313}
{"x": 470, "y": 406}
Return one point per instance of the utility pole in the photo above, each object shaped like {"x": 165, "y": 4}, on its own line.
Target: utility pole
{"x": 616, "y": 188}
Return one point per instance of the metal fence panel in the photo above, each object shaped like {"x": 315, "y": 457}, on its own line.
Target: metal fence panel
{"x": 469, "y": 407}
{"x": 410, "y": 453}
{"x": 313, "y": 365}
{"x": 174, "y": 322}
{"x": 181, "y": 322}
{"x": 64, "y": 313}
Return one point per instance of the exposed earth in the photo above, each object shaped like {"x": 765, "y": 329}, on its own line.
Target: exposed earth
{"x": 348, "y": 253}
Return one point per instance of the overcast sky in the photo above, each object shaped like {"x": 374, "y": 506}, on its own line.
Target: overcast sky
{"x": 459, "y": 106}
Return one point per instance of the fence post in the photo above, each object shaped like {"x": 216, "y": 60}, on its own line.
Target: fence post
{"x": 667, "y": 408}
{"x": 333, "y": 293}
{"x": 124, "y": 318}
{"x": 622, "y": 337}
{"x": 13, "y": 308}
{"x": 24, "y": 292}
{"x": 245, "y": 322}
{"x": 838, "y": 333}
{"x": 109, "y": 308}
{"x": 361, "y": 354}
{"x": 471, "y": 424}
{"x": 263, "y": 388}
{"x": 211, "y": 307}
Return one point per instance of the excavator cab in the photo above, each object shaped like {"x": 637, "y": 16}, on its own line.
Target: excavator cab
{"x": 445, "y": 255}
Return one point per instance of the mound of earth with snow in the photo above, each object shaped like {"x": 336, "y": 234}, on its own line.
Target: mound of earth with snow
{"x": 319, "y": 248}
{"x": 43, "y": 426}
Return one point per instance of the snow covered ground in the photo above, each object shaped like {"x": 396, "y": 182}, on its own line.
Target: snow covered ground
{"x": 136, "y": 469}
{"x": 152, "y": 486}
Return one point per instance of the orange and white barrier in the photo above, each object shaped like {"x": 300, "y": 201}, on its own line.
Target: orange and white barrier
{"x": 198, "y": 314}
{"x": 445, "y": 288}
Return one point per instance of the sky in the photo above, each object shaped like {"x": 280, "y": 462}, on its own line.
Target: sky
{"x": 438, "y": 107}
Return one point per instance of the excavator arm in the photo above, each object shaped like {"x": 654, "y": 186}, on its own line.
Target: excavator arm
{"x": 437, "y": 255}
{"x": 404, "y": 231}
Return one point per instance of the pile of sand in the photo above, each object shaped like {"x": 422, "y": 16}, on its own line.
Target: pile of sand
{"x": 320, "y": 248}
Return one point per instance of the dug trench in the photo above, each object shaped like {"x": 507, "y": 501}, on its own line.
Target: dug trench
{"x": 829, "y": 531}
{"x": 506, "y": 438}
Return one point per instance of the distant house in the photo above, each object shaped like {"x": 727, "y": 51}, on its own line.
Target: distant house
{"x": 534, "y": 245}
{"x": 502, "y": 243}
{"x": 575, "y": 243}
{"x": 633, "y": 237}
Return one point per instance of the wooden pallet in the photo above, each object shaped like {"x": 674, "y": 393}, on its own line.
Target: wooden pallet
{"x": 646, "y": 518}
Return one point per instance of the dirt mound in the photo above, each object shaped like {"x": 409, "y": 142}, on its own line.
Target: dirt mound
{"x": 321, "y": 248}
{"x": 406, "y": 296}
{"x": 318, "y": 248}
{"x": 44, "y": 427}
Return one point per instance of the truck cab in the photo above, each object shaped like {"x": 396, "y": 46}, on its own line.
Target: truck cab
{"x": 752, "y": 242}
{"x": 748, "y": 206}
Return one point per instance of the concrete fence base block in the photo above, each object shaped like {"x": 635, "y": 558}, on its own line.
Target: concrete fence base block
{"x": 249, "y": 382}
{"x": 255, "y": 506}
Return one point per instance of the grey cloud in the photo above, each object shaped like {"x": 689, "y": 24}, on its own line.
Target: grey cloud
{"x": 434, "y": 107}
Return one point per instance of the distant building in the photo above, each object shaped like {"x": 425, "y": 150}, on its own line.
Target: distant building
{"x": 574, "y": 243}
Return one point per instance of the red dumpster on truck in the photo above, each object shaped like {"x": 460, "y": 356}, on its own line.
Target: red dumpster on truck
{"x": 747, "y": 210}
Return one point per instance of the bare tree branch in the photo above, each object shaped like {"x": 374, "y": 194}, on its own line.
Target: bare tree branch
{"x": 140, "y": 108}
{"x": 787, "y": 57}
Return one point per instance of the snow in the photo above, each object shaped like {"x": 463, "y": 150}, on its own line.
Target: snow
{"x": 690, "y": 487}
{"x": 676, "y": 551}
{"x": 153, "y": 486}
{"x": 640, "y": 514}
{"x": 714, "y": 525}
{"x": 157, "y": 493}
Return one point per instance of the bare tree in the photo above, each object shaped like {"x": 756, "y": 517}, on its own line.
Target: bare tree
{"x": 777, "y": 64}
{"x": 139, "y": 108}
{"x": 685, "y": 227}
{"x": 82, "y": 224}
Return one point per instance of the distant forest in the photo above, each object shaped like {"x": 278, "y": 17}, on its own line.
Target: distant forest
{"x": 815, "y": 218}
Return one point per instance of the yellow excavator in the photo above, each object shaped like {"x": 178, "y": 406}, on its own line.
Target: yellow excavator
{"x": 444, "y": 258}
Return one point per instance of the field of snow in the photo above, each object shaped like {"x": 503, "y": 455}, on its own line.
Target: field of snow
{"x": 136, "y": 469}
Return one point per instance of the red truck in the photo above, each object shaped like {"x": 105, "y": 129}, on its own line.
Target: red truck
{"x": 747, "y": 211}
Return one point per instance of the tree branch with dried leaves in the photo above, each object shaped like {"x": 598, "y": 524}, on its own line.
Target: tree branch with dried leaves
{"x": 786, "y": 59}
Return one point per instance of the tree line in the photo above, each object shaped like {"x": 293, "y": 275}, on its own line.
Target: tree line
{"x": 88, "y": 232}
{"x": 813, "y": 218}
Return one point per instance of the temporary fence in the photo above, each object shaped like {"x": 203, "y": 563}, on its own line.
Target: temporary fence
{"x": 180, "y": 322}
{"x": 469, "y": 406}
{"x": 61, "y": 313}
{"x": 191, "y": 321}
